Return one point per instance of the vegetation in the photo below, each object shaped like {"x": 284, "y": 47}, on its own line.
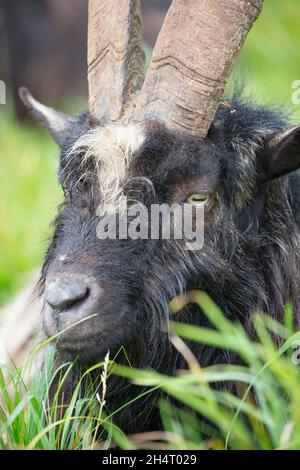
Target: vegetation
{"x": 29, "y": 196}
{"x": 265, "y": 414}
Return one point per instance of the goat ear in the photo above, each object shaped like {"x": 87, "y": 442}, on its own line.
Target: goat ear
{"x": 281, "y": 154}
{"x": 57, "y": 124}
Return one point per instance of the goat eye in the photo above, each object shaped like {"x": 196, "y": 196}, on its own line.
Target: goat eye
{"x": 198, "y": 199}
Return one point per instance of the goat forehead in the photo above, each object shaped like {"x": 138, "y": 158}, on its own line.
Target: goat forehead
{"x": 111, "y": 143}
{"x": 111, "y": 147}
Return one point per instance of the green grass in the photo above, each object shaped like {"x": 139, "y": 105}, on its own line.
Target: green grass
{"x": 269, "y": 61}
{"x": 263, "y": 415}
{"x": 28, "y": 421}
{"x": 29, "y": 196}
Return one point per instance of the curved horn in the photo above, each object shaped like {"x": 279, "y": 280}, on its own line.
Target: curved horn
{"x": 115, "y": 56}
{"x": 192, "y": 60}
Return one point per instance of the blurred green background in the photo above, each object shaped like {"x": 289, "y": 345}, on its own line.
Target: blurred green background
{"x": 29, "y": 194}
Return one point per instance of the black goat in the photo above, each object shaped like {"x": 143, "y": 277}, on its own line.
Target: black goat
{"x": 243, "y": 174}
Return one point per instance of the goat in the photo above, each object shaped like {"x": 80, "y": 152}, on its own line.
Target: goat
{"x": 167, "y": 138}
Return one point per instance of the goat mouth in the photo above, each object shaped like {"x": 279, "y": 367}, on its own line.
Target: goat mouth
{"x": 91, "y": 336}
{"x": 91, "y": 344}
{"x": 88, "y": 352}
{"x": 77, "y": 344}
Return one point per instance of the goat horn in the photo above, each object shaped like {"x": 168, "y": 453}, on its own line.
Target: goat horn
{"x": 192, "y": 60}
{"x": 115, "y": 56}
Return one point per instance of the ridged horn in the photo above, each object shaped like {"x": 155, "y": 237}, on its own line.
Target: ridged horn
{"x": 192, "y": 60}
{"x": 115, "y": 56}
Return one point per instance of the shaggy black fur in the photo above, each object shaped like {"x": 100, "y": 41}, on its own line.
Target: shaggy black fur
{"x": 250, "y": 258}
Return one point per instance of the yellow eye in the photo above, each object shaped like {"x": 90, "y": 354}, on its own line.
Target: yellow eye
{"x": 198, "y": 199}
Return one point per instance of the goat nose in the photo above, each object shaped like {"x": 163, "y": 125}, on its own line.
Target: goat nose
{"x": 61, "y": 293}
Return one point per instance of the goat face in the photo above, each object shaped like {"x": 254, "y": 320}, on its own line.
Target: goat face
{"x": 102, "y": 294}
{"x": 119, "y": 289}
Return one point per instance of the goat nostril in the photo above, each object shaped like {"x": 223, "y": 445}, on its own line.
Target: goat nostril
{"x": 62, "y": 293}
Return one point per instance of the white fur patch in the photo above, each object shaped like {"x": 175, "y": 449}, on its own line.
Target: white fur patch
{"x": 112, "y": 146}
